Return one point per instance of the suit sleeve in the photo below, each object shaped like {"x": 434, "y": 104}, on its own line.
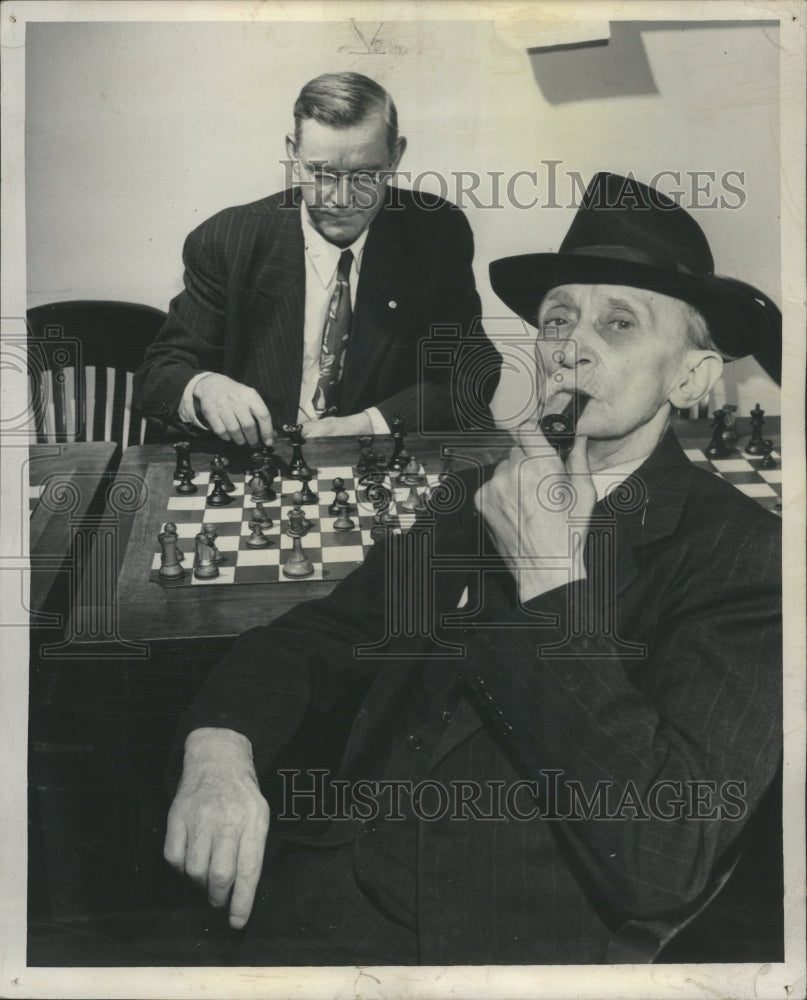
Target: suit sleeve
{"x": 192, "y": 337}
{"x": 455, "y": 390}
{"x": 304, "y": 660}
{"x": 696, "y": 719}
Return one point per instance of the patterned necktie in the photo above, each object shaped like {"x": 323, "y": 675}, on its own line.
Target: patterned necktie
{"x": 334, "y": 341}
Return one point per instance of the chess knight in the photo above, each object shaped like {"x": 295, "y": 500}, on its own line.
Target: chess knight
{"x": 617, "y": 621}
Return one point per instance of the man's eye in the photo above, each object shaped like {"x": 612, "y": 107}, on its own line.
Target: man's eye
{"x": 554, "y": 321}
{"x": 620, "y": 323}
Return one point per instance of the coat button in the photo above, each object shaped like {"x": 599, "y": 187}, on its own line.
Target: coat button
{"x": 392, "y": 304}
{"x": 446, "y": 717}
{"x": 414, "y": 742}
{"x": 368, "y": 826}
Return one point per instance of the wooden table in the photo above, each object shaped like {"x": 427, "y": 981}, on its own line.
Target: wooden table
{"x": 147, "y": 612}
{"x": 65, "y": 482}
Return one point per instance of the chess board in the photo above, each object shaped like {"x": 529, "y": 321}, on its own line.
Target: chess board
{"x": 745, "y": 472}
{"x": 334, "y": 554}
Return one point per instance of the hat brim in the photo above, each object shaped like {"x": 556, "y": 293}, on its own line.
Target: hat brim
{"x": 741, "y": 319}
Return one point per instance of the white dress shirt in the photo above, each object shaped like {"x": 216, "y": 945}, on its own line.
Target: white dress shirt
{"x": 321, "y": 260}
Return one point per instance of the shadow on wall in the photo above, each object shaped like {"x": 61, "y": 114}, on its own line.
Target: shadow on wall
{"x": 615, "y": 67}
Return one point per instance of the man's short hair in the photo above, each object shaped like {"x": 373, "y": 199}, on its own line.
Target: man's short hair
{"x": 698, "y": 333}
{"x": 344, "y": 99}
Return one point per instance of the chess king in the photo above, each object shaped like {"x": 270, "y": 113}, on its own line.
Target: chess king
{"x": 605, "y": 717}
{"x": 310, "y": 305}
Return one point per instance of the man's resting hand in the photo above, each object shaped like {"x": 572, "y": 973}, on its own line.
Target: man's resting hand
{"x": 218, "y": 821}
{"x": 356, "y": 423}
{"x": 233, "y": 411}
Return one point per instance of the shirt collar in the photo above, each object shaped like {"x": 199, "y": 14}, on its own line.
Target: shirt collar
{"x": 324, "y": 255}
{"x": 607, "y": 480}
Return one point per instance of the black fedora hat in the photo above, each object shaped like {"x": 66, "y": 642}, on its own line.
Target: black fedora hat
{"x": 626, "y": 233}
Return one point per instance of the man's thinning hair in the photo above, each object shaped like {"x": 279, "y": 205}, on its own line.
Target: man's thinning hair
{"x": 344, "y": 99}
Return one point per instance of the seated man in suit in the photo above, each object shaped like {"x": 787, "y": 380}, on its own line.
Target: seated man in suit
{"x": 561, "y": 764}
{"x": 310, "y": 306}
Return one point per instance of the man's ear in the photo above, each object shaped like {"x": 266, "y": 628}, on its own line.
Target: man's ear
{"x": 291, "y": 150}
{"x": 398, "y": 152}
{"x": 696, "y": 378}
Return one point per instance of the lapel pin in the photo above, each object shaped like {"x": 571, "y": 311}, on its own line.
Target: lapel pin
{"x": 392, "y": 304}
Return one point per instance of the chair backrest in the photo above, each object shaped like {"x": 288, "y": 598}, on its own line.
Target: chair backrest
{"x": 81, "y": 356}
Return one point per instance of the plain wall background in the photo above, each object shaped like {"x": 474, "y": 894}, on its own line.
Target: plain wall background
{"x": 136, "y": 132}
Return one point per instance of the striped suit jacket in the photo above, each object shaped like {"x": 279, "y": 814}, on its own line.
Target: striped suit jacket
{"x": 672, "y": 705}
{"x": 242, "y": 313}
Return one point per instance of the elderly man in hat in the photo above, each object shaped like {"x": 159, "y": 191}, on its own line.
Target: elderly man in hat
{"x": 561, "y": 769}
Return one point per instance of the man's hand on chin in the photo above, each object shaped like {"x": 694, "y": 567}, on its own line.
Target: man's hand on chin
{"x": 356, "y": 423}
{"x": 528, "y": 504}
{"x": 218, "y": 821}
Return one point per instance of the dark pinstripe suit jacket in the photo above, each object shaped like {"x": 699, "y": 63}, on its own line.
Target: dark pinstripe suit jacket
{"x": 242, "y": 312}
{"x": 686, "y": 687}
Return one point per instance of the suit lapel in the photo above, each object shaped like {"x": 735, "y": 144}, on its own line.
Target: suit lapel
{"x": 382, "y": 281}
{"x": 278, "y": 309}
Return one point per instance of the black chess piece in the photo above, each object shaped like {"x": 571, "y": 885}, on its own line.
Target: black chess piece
{"x": 717, "y": 446}
{"x": 344, "y": 522}
{"x": 183, "y": 450}
{"x": 756, "y": 445}
{"x": 218, "y": 498}
{"x": 218, "y": 468}
{"x": 298, "y": 467}
{"x": 398, "y": 428}
{"x": 308, "y": 494}
{"x": 768, "y": 461}
{"x": 298, "y": 500}
{"x": 337, "y": 484}
{"x": 185, "y": 487}
{"x": 367, "y": 460}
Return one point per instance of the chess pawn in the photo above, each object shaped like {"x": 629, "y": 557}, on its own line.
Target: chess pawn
{"x": 343, "y": 522}
{"x": 185, "y": 486}
{"x": 206, "y": 568}
{"x": 257, "y": 539}
{"x": 170, "y": 555}
{"x": 307, "y": 493}
{"x": 218, "y": 467}
{"x": 218, "y": 498}
{"x": 298, "y": 500}
{"x": 212, "y": 535}
{"x": 768, "y": 461}
{"x": 337, "y": 484}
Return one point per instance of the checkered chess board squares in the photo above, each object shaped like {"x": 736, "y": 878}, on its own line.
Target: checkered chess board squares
{"x": 744, "y": 472}
{"x": 334, "y": 554}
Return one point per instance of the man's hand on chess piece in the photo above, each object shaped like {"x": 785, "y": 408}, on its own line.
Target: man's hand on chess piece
{"x": 233, "y": 411}
{"x": 356, "y": 423}
{"x": 218, "y": 821}
{"x": 527, "y": 505}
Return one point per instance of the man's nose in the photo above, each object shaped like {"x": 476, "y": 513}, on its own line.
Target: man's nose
{"x": 343, "y": 191}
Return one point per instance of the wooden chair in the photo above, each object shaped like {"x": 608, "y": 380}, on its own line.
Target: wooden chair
{"x": 81, "y": 356}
